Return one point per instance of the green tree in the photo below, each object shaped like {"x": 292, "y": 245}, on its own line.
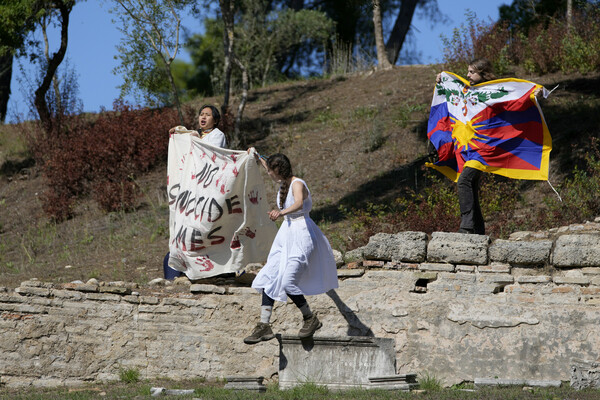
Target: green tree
{"x": 524, "y": 14}
{"x": 17, "y": 19}
{"x": 256, "y": 36}
{"x": 151, "y": 30}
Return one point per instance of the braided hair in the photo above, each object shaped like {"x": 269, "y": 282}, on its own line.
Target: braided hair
{"x": 282, "y": 166}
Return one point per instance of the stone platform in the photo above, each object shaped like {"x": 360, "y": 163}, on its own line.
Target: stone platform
{"x": 340, "y": 362}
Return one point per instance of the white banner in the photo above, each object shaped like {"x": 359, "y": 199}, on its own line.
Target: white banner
{"x": 218, "y": 213}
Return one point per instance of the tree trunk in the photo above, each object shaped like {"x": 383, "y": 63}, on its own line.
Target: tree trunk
{"x": 40, "y": 94}
{"x": 227, "y": 11}
{"x": 238, "y": 139}
{"x": 382, "y": 58}
{"x": 569, "y": 15}
{"x": 6, "y": 62}
{"x": 55, "y": 84}
{"x": 400, "y": 29}
{"x": 174, "y": 91}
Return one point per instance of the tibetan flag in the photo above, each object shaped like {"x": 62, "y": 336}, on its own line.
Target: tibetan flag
{"x": 495, "y": 126}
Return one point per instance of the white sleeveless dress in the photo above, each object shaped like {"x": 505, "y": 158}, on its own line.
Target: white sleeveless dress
{"x": 300, "y": 260}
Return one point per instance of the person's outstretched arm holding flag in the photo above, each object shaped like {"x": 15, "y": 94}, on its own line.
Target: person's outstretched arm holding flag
{"x": 483, "y": 124}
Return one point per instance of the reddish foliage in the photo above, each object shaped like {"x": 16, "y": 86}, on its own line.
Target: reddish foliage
{"x": 101, "y": 157}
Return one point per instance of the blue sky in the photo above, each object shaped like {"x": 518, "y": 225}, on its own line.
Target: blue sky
{"x": 93, "y": 39}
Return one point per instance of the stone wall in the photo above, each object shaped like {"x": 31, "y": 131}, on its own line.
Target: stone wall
{"x": 459, "y": 307}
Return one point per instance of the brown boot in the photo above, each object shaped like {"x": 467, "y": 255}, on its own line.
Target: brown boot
{"x": 260, "y": 333}
{"x": 309, "y": 327}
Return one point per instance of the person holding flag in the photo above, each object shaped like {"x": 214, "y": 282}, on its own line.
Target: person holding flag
{"x": 484, "y": 124}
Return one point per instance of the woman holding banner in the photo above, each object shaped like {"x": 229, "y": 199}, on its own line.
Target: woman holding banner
{"x": 300, "y": 262}
{"x": 208, "y": 119}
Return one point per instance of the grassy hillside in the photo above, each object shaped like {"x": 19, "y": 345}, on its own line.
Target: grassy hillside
{"x": 359, "y": 141}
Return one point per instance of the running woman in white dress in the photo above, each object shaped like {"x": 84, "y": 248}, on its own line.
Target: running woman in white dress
{"x": 300, "y": 261}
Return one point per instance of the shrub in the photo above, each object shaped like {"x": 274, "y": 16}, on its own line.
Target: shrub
{"x": 101, "y": 157}
{"x": 475, "y": 40}
{"x": 579, "y": 193}
{"x": 549, "y": 46}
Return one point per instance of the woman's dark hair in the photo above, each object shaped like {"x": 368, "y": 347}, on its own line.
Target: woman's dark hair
{"x": 484, "y": 68}
{"x": 282, "y": 166}
{"x": 215, "y": 113}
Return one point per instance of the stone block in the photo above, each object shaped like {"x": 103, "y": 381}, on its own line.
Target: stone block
{"x": 497, "y": 278}
{"x": 354, "y": 255}
{"x": 436, "y": 267}
{"x": 534, "y": 279}
{"x": 103, "y": 297}
{"x": 373, "y": 263}
{"x": 204, "y": 288}
{"x": 577, "y": 251}
{"x": 350, "y": 273}
{"x": 115, "y": 289}
{"x": 571, "y": 280}
{"x": 585, "y": 374}
{"x": 521, "y": 252}
{"x": 241, "y": 290}
{"x": 37, "y": 284}
{"x": 482, "y": 382}
{"x": 465, "y": 268}
{"x": 340, "y": 362}
{"x": 458, "y": 248}
{"x": 591, "y": 271}
{"x": 338, "y": 257}
{"x": 405, "y": 382}
{"x": 403, "y": 246}
{"x": 33, "y": 291}
{"x": 81, "y": 287}
{"x": 494, "y": 268}
{"x": 245, "y": 383}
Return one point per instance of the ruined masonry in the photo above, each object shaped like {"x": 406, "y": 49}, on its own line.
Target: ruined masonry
{"x": 457, "y": 307}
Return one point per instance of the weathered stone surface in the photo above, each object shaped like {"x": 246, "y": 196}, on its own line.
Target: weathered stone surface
{"x": 245, "y": 383}
{"x": 404, "y": 382}
{"x": 350, "y": 273}
{"x": 483, "y": 316}
{"x": 585, "y": 374}
{"x": 353, "y": 255}
{"x": 521, "y": 252}
{"x": 481, "y": 382}
{"x": 591, "y": 271}
{"x": 203, "y": 288}
{"x": 577, "y": 251}
{"x": 451, "y": 325}
{"x": 30, "y": 290}
{"x": 436, "y": 267}
{"x": 81, "y": 287}
{"x": 571, "y": 280}
{"x": 534, "y": 279}
{"x": 458, "y": 248}
{"x": 494, "y": 267}
{"x": 336, "y": 362}
{"x": 403, "y": 246}
{"x": 115, "y": 289}
{"x": 338, "y": 257}
{"x": 466, "y": 268}
{"x": 37, "y": 284}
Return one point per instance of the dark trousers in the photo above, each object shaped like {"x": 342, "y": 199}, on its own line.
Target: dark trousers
{"x": 298, "y": 299}
{"x": 471, "y": 219}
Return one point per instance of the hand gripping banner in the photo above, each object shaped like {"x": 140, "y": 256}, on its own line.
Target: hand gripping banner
{"x": 218, "y": 214}
{"x": 495, "y": 126}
